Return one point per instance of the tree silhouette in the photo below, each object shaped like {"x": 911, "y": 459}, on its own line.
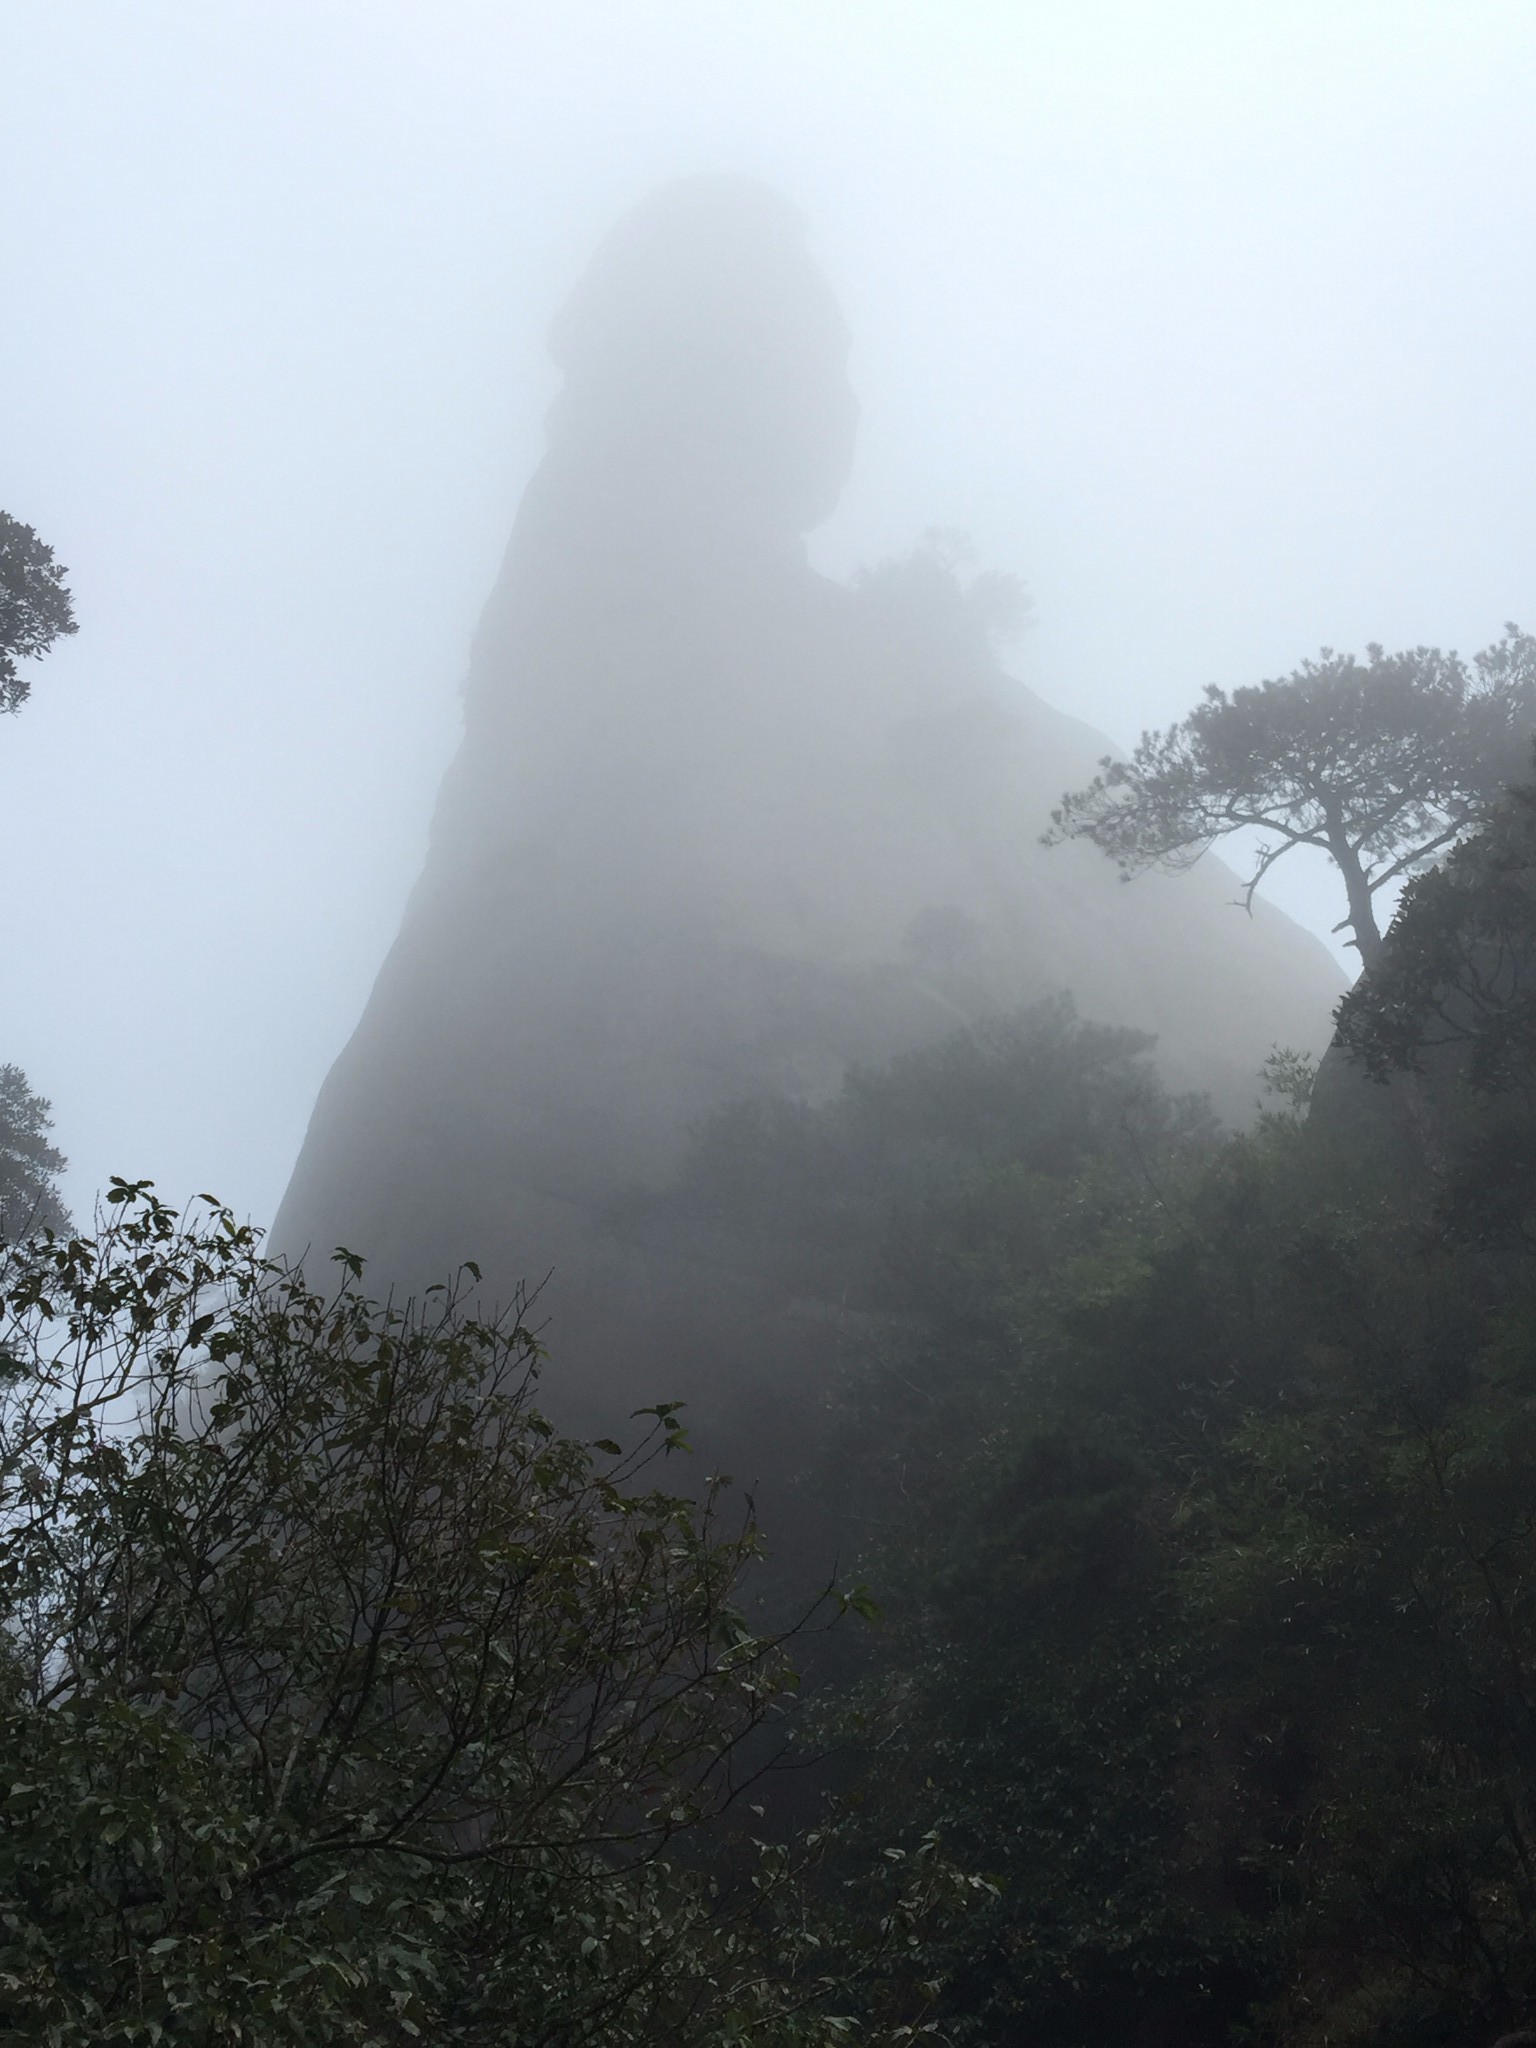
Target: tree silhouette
{"x": 35, "y": 606}
{"x": 1382, "y": 764}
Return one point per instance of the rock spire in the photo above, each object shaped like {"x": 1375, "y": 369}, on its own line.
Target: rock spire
{"x": 718, "y": 826}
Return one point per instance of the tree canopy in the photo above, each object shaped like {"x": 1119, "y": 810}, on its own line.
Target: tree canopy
{"x": 341, "y": 1698}
{"x": 344, "y": 1699}
{"x": 1193, "y": 1474}
{"x": 1460, "y": 968}
{"x": 35, "y": 606}
{"x": 1382, "y": 765}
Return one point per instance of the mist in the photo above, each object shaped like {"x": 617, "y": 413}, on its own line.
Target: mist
{"x": 818, "y": 1414}
{"x": 1212, "y": 327}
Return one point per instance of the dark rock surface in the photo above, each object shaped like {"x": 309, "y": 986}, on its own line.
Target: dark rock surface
{"x": 719, "y": 826}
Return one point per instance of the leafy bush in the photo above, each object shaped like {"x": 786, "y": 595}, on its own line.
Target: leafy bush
{"x": 342, "y": 1699}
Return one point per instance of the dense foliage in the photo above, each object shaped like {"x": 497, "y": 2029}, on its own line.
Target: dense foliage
{"x": 1461, "y": 969}
{"x": 1381, "y": 764}
{"x": 1196, "y": 1474}
{"x": 342, "y": 1699}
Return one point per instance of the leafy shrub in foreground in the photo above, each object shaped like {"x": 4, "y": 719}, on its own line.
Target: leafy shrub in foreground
{"x": 340, "y": 1697}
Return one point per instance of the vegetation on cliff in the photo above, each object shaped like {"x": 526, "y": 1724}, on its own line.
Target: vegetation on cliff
{"x": 343, "y": 1698}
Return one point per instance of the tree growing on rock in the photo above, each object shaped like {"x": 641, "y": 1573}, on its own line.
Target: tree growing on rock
{"x": 1382, "y": 764}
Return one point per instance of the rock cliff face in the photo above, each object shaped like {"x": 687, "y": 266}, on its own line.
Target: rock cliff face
{"x": 718, "y": 826}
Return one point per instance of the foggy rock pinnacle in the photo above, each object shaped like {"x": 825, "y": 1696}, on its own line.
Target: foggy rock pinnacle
{"x": 718, "y": 826}
{"x": 705, "y": 366}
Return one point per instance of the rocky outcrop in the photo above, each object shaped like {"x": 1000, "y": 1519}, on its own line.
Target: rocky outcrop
{"x": 719, "y": 826}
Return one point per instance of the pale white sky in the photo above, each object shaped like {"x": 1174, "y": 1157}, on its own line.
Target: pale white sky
{"x": 1213, "y": 321}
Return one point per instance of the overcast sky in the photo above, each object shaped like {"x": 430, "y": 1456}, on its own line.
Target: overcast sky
{"x": 1214, "y": 322}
